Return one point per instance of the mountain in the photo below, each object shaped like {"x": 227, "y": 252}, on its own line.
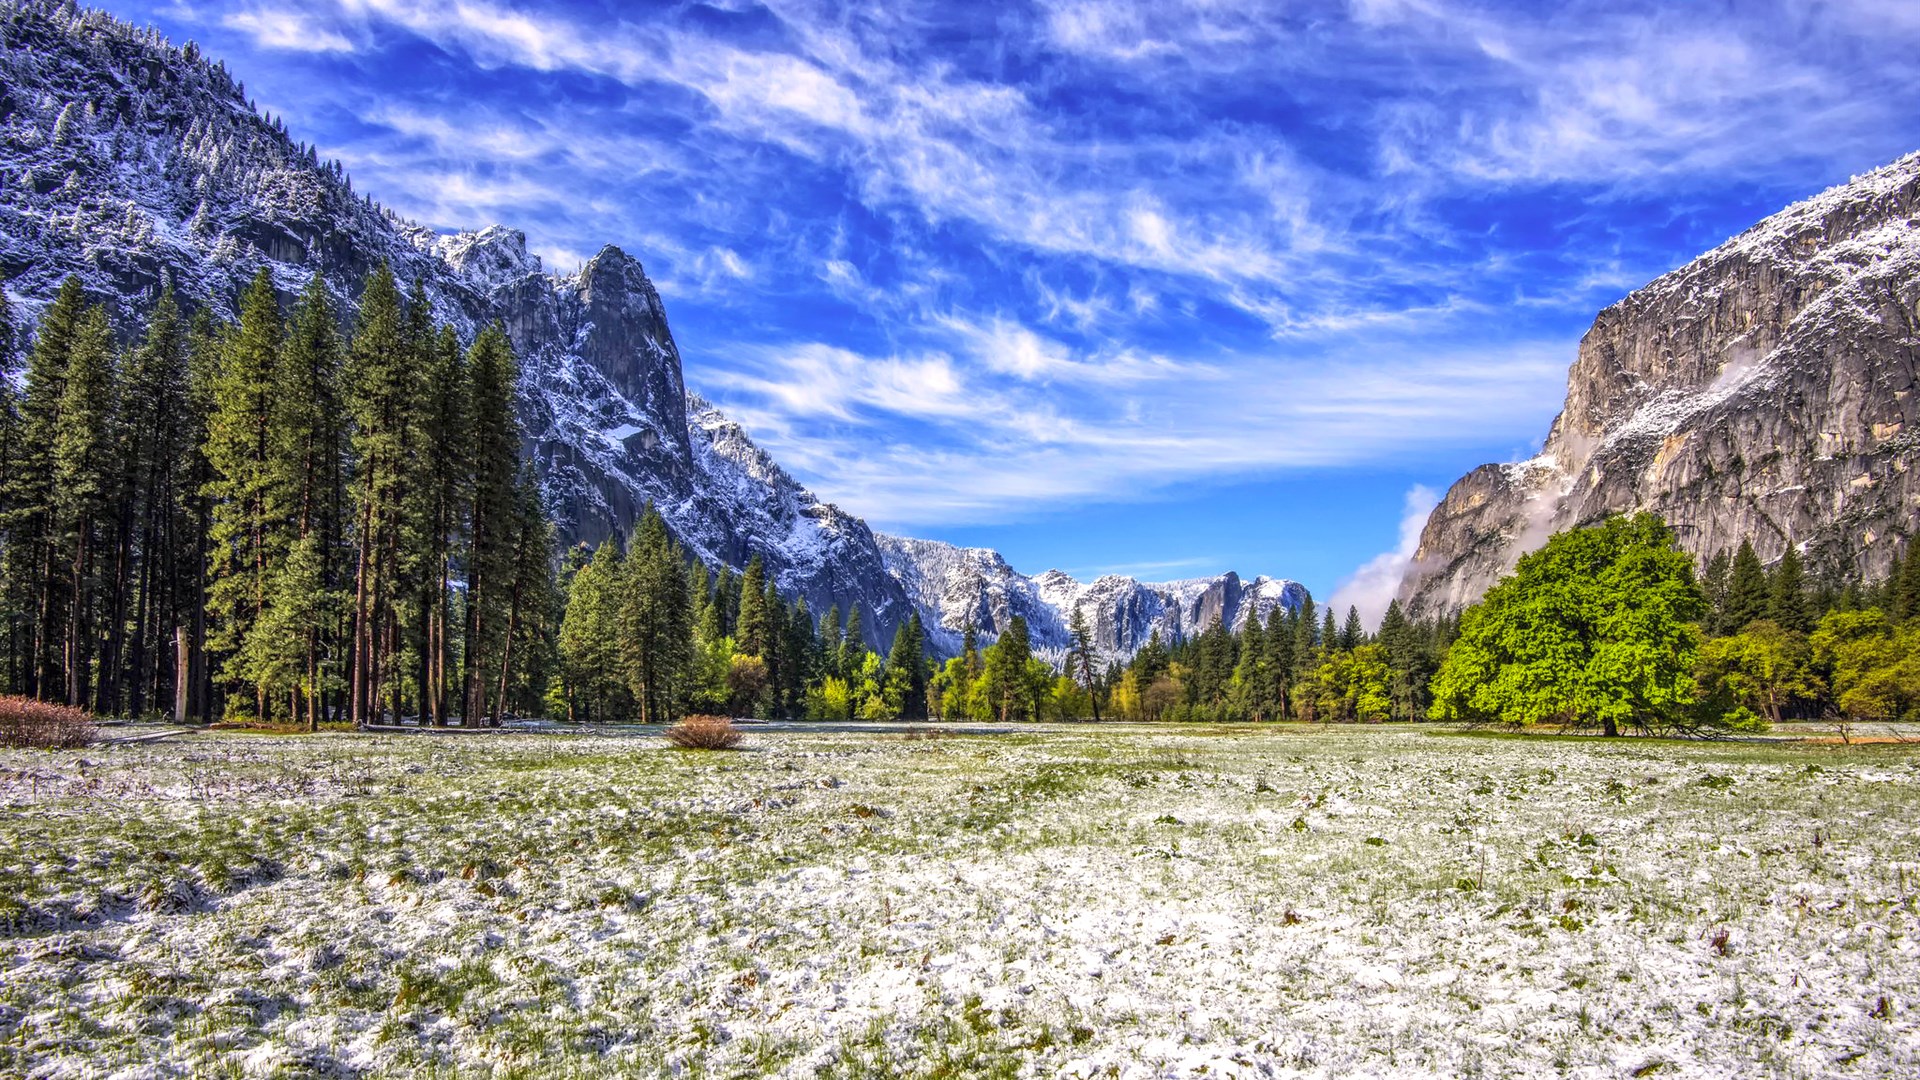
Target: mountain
{"x": 1765, "y": 390}
{"x": 955, "y": 587}
{"x": 129, "y": 162}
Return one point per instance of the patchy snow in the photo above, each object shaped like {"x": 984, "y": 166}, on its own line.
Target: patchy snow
{"x": 1094, "y": 902}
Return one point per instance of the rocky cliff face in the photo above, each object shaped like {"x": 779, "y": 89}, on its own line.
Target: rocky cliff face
{"x": 955, "y": 587}
{"x": 1766, "y": 390}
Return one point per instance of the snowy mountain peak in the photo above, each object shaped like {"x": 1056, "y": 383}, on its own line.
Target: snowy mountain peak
{"x": 491, "y": 258}
{"x": 954, "y": 587}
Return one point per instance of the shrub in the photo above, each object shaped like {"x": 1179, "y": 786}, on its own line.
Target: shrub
{"x": 705, "y": 733}
{"x": 43, "y": 725}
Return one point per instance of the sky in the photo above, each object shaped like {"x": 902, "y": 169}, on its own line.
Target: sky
{"x": 1161, "y": 287}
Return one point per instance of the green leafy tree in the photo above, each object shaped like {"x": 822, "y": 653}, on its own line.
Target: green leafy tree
{"x": 1594, "y": 628}
{"x": 1748, "y": 680}
{"x": 1872, "y": 665}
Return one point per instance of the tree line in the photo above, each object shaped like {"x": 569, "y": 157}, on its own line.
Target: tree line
{"x": 1610, "y": 627}
{"x": 277, "y": 519}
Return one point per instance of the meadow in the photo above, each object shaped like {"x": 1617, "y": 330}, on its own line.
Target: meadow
{"x": 1077, "y": 901}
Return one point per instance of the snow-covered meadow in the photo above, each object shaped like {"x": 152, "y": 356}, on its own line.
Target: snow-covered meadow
{"x": 1074, "y": 902}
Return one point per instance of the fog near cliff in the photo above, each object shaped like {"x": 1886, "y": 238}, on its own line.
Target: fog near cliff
{"x": 1371, "y": 588}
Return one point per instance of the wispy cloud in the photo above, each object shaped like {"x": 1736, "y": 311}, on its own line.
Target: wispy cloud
{"x": 288, "y": 30}
{"x": 958, "y": 262}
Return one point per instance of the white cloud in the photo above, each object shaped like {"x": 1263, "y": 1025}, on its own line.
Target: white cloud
{"x": 287, "y": 30}
{"x": 1372, "y": 587}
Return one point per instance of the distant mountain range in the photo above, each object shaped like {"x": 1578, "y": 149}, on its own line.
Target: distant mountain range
{"x": 1764, "y": 391}
{"x": 127, "y": 161}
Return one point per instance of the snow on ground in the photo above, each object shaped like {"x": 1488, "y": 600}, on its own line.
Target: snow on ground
{"x": 1119, "y": 902}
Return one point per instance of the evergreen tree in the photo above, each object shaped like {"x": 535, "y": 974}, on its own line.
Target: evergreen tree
{"x": 10, "y": 619}
{"x": 31, "y": 554}
{"x": 853, "y": 646}
{"x": 1905, "y": 588}
{"x": 382, "y": 397}
{"x": 1081, "y": 658}
{"x": 1788, "y": 602}
{"x": 753, "y": 633}
{"x": 309, "y": 462}
{"x": 655, "y": 620}
{"x": 1352, "y": 633}
{"x": 247, "y": 543}
{"x": 1748, "y": 594}
{"x": 158, "y": 434}
{"x": 1006, "y": 671}
{"x": 442, "y": 506}
{"x": 82, "y": 471}
{"x": 493, "y": 458}
{"x": 528, "y": 639}
{"x": 1714, "y": 583}
{"x": 1280, "y": 661}
{"x": 590, "y": 637}
{"x": 831, "y": 635}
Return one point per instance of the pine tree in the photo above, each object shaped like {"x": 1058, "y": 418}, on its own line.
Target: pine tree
{"x": 1788, "y": 602}
{"x": 1748, "y": 594}
{"x": 802, "y": 653}
{"x": 1081, "y": 658}
{"x": 1006, "y": 670}
{"x": 1280, "y": 660}
{"x": 240, "y": 447}
{"x": 82, "y": 470}
{"x": 309, "y": 492}
{"x": 655, "y": 619}
{"x": 527, "y": 637}
{"x": 10, "y": 620}
{"x": 442, "y": 501}
{"x": 1714, "y": 583}
{"x": 31, "y": 555}
{"x": 382, "y": 384}
{"x": 493, "y": 456}
{"x": 853, "y": 645}
{"x": 832, "y": 632}
{"x": 158, "y": 432}
{"x": 1905, "y": 588}
{"x": 1352, "y": 633}
{"x": 590, "y": 643}
{"x": 754, "y": 632}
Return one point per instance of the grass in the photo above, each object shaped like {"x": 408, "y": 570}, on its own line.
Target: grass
{"x": 1089, "y": 901}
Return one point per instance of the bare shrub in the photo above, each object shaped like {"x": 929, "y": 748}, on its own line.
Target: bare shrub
{"x": 43, "y": 725}
{"x": 705, "y": 733}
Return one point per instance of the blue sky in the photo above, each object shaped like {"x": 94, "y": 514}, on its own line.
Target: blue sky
{"x": 1162, "y": 287}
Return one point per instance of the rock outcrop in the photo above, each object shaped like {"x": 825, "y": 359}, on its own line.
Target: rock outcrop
{"x": 1765, "y": 391}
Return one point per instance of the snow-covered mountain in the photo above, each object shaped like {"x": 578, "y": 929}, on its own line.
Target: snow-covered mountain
{"x": 129, "y": 162}
{"x": 955, "y": 587}
{"x": 1765, "y": 391}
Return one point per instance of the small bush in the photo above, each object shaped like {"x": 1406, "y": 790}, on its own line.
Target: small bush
{"x": 43, "y": 725}
{"x": 705, "y": 733}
